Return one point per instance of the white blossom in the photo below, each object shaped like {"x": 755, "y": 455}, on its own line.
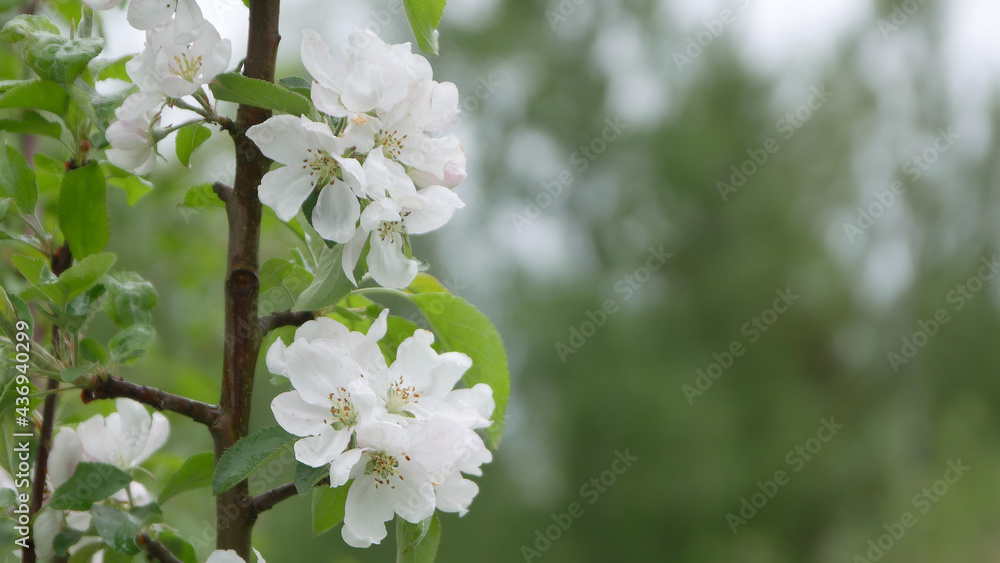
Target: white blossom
{"x": 230, "y": 556}
{"x": 131, "y": 137}
{"x": 175, "y": 65}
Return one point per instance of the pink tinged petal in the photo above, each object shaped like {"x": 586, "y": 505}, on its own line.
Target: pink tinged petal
{"x": 316, "y": 57}
{"x": 147, "y": 14}
{"x": 159, "y": 431}
{"x": 352, "y": 252}
{"x": 281, "y": 138}
{"x": 429, "y": 171}
{"x": 365, "y": 513}
{"x": 65, "y": 455}
{"x": 320, "y": 450}
{"x": 285, "y": 190}
{"x": 455, "y": 494}
{"x": 299, "y": 417}
{"x": 387, "y": 264}
{"x": 275, "y": 358}
{"x": 336, "y": 213}
{"x": 342, "y": 465}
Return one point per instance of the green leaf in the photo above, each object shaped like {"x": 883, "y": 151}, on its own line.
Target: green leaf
{"x": 306, "y": 477}
{"x": 329, "y": 285}
{"x": 281, "y": 283}
{"x": 36, "y": 94}
{"x": 23, "y": 26}
{"x": 49, "y": 173}
{"x": 195, "y": 472}
{"x": 80, "y": 310}
{"x": 49, "y": 54}
{"x": 149, "y": 513}
{"x": 86, "y": 552}
{"x": 103, "y": 69}
{"x": 397, "y": 330}
{"x": 424, "y": 16}
{"x": 134, "y": 186}
{"x": 8, "y": 497}
{"x": 65, "y": 540}
{"x": 73, "y": 282}
{"x": 117, "y": 528}
{"x": 83, "y": 210}
{"x": 202, "y": 195}
{"x": 92, "y": 351}
{"x": 130, "y": 343}
{"x": 32, "y": 123}
{"x": 70, "y": 375}
{"x": 13, "y": 309}
{"x": 297, "y": 84}
{"x": 178, "y": 546}
{"x": 234, "y": 87}
{"x": 189, "y": 138}
{"x": 460, "y": 327}
{"x": 91, "y": 482}
{"x": 327, "y": 508}
{"x": 17, "y": 179}
{"x": 417, "y": 543}
{"x": 131, "y": 299}
{"x": 246, "y": 455}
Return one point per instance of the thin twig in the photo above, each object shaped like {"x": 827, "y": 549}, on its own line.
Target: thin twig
{"x": 267, "y": 500}
{"x": 114, "y": 387}
{"x": 284, "y": 318}
{"x": 157, "y": 550}
{"x": 224, "y": 191}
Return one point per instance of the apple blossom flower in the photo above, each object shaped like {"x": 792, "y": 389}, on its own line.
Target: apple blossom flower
{"x": 124, "y": 438}
{"x": 388, "y": 263}
{"x": 314, "y": 160}
{"x": 174, "y": 66}
{"x": 131, "y": 137}
{"x": 406, "y": 445}
{"x": 148, "y": 14}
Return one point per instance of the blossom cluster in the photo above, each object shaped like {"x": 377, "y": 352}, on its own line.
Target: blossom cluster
{"x": 375, "y": 159}
{"x": 123, "y": 439}
{"x": 182, "y": 53}
{"x": 401, "y": 431}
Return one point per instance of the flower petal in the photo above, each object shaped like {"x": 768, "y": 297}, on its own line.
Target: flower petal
{"x": 299, "y": 417}
{"x": 285, "y": 190}
{"x": 317, "y": 451}
{"x": 336, "y": 213}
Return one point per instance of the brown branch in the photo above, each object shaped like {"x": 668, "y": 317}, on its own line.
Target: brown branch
{"x": 156, "y": 550}
{"x": 114, "y": 387}
{"x": 284, "y": 318}
{"x": 267, "y": 500}
{"x": 242, "y": 288}
{"x": 224, "y": 191}
{"x": 61, "y": 260}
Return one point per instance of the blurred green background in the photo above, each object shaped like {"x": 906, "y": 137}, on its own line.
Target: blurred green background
{"x": 843, "y": 98}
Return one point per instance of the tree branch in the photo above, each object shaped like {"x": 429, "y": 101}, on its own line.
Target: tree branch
{"x": 114, "y": 387}
{"x": 224, "y": 191}
{"x": 242, "y": 287}
{"x": 156, "y": 550}
{"x": 284, "y": 318}
{"x": 266, "y": 500}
